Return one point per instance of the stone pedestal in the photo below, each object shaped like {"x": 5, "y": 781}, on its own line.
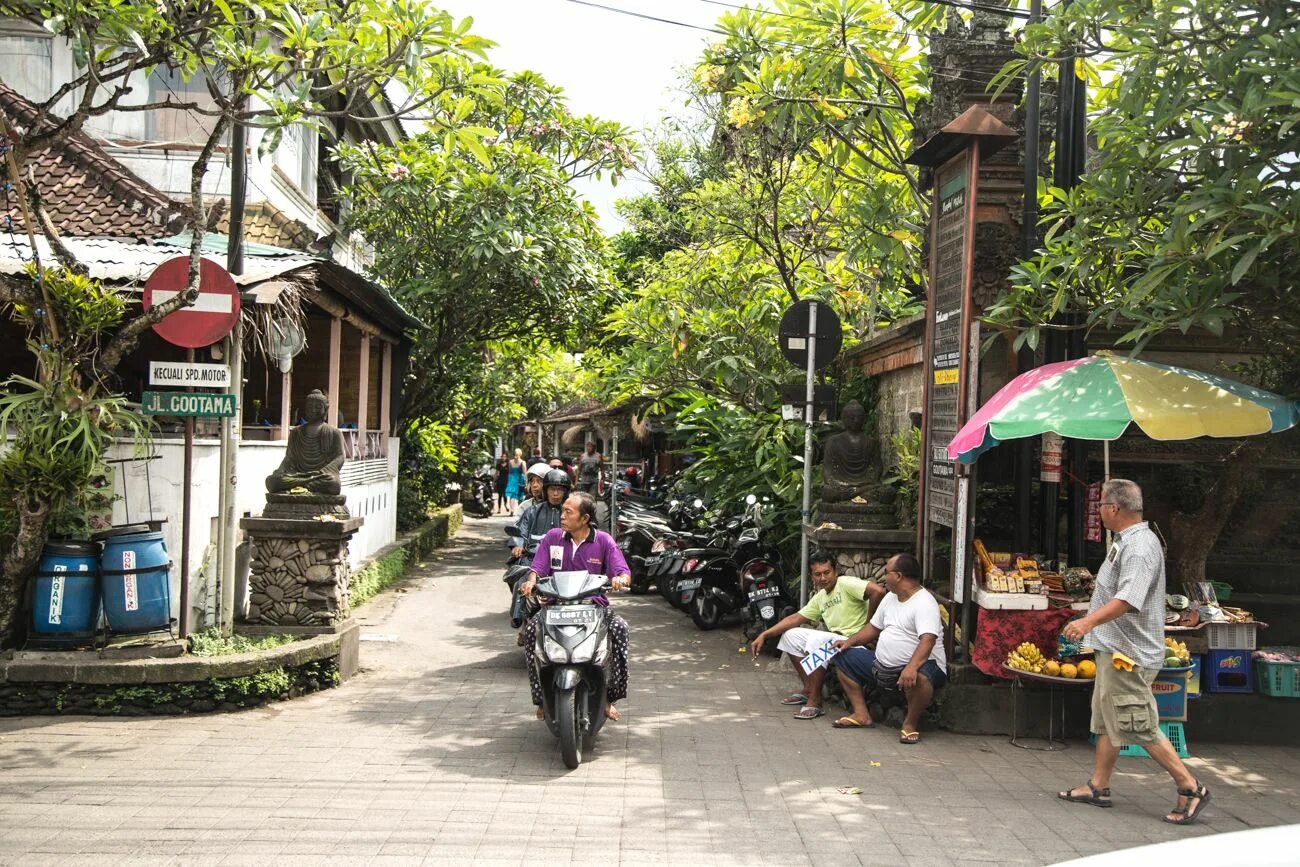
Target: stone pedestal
{"x": 305, "y": 506}
{"x": 300, "y": 569}
{"x": 861, "y": 552}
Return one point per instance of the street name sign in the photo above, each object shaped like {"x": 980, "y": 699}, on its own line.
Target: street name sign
{"x": 209, "y": 318}
{"x": 182, "y": 403}
{"x": 189, "y": 374}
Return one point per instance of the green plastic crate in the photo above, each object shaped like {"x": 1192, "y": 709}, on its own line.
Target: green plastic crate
{"x": 1278, "y": 679}
{"x": 1172, "y": 730}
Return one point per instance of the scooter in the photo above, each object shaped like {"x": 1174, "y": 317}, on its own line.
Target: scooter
{"x": 572, "y": 660}
{"x": 517, "y": 571}
{"x": 477, "y": 498}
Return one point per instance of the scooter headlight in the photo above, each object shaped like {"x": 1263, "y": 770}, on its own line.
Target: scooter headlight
{"x": 553, "y": 649}
{"x": 588, "y": 649}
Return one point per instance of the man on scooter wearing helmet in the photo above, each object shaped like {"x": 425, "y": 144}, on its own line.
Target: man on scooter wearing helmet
{"x": 533, "y": 484}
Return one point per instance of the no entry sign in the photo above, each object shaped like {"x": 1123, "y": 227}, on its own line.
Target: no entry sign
{"x": 210, "y": 318}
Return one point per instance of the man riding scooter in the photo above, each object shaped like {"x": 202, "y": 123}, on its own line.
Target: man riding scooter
{"x": 522, "y": 545}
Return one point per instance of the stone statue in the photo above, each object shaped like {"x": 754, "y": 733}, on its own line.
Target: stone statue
{"x": 314, "y": 455}
{"x": 851, "y": 466}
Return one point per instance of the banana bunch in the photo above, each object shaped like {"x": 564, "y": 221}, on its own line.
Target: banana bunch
{"x": 1176, "y": 654}
{"x": 1027, "y": 657}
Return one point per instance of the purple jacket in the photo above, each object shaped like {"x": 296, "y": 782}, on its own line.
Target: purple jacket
{"x": 598, "y": 554}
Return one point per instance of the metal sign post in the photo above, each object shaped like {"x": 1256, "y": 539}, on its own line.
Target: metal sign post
{"x": 806, "y": 512}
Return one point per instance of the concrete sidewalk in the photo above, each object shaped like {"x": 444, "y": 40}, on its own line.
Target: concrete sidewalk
{"x": 432, "y": 755}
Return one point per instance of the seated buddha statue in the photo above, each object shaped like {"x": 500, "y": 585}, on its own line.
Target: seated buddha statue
{"x": 851, "y": 466}
{"x": 314, "y": 455}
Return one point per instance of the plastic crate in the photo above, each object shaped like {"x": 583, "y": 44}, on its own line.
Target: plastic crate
{"x": 1230, "y": 636}
{"x": 1229, "y": 671}
{"x": 1278, "y": 679}
{"x": 1172, "y": 730}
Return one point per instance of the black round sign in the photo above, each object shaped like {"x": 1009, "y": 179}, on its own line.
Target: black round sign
{"x": 793, "y": 334}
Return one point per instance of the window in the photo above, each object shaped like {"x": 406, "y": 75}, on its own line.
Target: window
{"x": 171, "y": 125}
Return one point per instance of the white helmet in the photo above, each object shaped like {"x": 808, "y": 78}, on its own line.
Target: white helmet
{"x": 539, "y": 469}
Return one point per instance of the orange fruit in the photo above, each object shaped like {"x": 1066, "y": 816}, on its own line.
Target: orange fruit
{"x": 1087, "y": 668}
{"x": 1069, "y": 670}
{"x": 1053, "y": 668}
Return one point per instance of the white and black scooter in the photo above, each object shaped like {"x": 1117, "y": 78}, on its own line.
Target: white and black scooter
{"x": 572, "y": 659}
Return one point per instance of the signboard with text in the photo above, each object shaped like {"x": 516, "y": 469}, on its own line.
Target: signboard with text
{"x": 187, "y": 374}
{"x": 180, "y": 403}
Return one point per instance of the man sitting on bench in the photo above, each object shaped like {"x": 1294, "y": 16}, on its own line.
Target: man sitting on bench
{"x": 906, "y": 628}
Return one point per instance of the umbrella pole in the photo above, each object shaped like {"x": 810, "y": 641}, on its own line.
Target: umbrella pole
{"x": 1105, "y": 459}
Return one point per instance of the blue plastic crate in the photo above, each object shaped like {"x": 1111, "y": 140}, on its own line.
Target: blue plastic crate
{"x": 1172, "y": 730}
{"x": 1229, "y": 671}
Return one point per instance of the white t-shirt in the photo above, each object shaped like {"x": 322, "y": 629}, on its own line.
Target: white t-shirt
{"x": 901, "y": 626}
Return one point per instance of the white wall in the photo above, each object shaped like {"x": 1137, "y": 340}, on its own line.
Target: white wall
{"x": 153, "y": 490}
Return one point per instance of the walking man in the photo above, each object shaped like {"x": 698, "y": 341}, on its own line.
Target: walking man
{"x": 589, "y": 470}
{"x": 1125, "y": 624}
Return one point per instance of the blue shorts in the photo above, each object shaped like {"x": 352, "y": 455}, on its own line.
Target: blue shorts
{"x": 858, "y": 665}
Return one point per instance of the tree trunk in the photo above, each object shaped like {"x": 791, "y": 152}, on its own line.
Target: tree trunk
{"x": 1195, "y": 534}
{"x": 20, "y": 561}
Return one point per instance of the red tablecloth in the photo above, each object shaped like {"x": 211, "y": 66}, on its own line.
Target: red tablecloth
{"x": 1000, "y": 632}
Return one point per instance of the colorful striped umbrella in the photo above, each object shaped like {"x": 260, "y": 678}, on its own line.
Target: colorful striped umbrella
{"x": 1096, "y": 398}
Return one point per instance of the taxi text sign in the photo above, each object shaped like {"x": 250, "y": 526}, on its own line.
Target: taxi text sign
{"x": 189, "y": 374}
{"x": 181, "y": 403}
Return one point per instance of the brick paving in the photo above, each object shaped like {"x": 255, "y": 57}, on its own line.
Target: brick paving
{"x": 431, "y": 755}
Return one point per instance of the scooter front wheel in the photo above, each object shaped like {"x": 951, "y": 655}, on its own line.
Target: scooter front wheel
{"x": 705, "y": 613}
{"x": 568, "y": 721}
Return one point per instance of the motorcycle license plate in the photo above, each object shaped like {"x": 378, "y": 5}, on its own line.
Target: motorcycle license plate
{"x": 688, "y": 584}
{"x": 766, "y": 593}
{"x": 583, "y": 614}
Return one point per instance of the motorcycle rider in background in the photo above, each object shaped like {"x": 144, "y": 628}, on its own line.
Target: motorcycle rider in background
{"x": 544, "y": 515}
{"x": 533, "y": 486}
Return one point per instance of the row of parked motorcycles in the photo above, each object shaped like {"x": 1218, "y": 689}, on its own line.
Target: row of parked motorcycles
{"x": 711, "y": 567}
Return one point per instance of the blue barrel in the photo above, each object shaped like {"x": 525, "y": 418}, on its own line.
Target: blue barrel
{"x": 65, "y": 599}
{"x": 136, "y": 581}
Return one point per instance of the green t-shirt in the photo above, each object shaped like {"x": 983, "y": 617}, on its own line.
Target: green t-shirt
{"x": 843, "y": 609}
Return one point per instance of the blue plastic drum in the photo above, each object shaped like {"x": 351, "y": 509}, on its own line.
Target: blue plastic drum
{"x": 136, "y": 582}
{"x": 65, "y": 601}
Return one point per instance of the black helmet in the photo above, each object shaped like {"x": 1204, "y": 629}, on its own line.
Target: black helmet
{"x": 556, "y": 478}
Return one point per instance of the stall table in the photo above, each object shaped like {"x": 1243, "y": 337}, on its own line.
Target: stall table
{"x": 1056, "y": 687}
{"x": 999, "y": 630}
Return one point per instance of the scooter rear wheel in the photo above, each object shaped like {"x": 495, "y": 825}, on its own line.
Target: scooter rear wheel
{"x": 569, "y": 724}
{"x": 705, "y": 613}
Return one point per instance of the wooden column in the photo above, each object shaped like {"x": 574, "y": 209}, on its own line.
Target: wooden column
{"x": 363, "y": 392}
{"x": 386, "y": 392}
{"x": 336, "y": 351}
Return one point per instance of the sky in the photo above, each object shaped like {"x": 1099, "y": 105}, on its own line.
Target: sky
{"x": 614, "y": 66}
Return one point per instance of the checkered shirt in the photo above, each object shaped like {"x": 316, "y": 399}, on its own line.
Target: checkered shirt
{"x": 1133, "y": 571}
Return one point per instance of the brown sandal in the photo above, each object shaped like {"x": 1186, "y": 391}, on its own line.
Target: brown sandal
{"x": 1187, "y": 816}
{"x": 1094, "y": 796}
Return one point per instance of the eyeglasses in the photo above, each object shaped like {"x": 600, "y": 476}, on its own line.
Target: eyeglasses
{"x": 1116, "y": 505}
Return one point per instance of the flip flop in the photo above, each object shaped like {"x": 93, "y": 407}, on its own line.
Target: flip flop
{"x": 810, "y": 713}
{"x": 906, "y": 737}
{"x": 848, "y": 722}
{"x": 795, "y": 698}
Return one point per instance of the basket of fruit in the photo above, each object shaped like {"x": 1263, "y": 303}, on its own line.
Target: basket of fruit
{"x": 1028, "y": 661}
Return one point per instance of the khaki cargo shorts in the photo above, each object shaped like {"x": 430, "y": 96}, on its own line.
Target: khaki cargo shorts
{"x": 1123, "y": 706}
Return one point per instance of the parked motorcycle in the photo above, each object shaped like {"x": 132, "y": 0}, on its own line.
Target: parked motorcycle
{"x": 572, "y": 660}
{"x": 476, "y": 498}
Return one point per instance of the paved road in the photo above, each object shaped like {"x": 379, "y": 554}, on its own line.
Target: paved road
{"x": 431, "y": 755}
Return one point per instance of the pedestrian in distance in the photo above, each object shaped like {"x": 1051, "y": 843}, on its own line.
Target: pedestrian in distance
{"x": 515, "y": 482}
{"x": 501, "y": 478}
{"x": 1125, "y": 625}
{"x": 589, "y": 470}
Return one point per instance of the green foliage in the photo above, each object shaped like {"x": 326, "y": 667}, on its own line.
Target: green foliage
{"x": 211, "y": 642}
{"x": 376, "y": 577}
{"x": 1187, "y": 217}
{"x": 906, "y": 475}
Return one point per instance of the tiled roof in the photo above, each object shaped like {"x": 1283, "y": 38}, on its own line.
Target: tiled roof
{"x": 264, "y": 223}
{"x": 86, "y": 191}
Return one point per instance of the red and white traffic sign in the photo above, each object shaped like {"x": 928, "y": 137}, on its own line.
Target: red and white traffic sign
{"x": 211, "y": 316}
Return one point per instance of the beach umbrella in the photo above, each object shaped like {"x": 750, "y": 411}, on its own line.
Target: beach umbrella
{"x": 1098, "y": 397}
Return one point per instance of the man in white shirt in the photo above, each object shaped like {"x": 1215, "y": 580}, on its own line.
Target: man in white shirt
{"x": 906, "y": 628}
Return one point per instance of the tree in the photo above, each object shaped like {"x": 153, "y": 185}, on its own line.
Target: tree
{"x": 266, "y": 64}
{"x": 490, "y": 247}
{"x": 1188, "y": 216}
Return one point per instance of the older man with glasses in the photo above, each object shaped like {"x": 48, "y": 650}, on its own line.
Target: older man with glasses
{"x": 1125, "y": 624}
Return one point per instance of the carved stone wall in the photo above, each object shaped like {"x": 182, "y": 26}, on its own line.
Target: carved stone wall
{"x": 300, "y": 571}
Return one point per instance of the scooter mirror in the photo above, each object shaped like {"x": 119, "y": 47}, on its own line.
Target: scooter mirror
{"x": 751, "y": 499}
{"x": 512, "y": 529}
{"x": 698, "y": 503}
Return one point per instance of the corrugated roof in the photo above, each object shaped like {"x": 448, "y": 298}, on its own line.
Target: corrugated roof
{"x": 116, "y": 261}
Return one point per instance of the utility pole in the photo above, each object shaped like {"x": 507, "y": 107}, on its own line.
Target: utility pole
{"x": 1024, "y": 470}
